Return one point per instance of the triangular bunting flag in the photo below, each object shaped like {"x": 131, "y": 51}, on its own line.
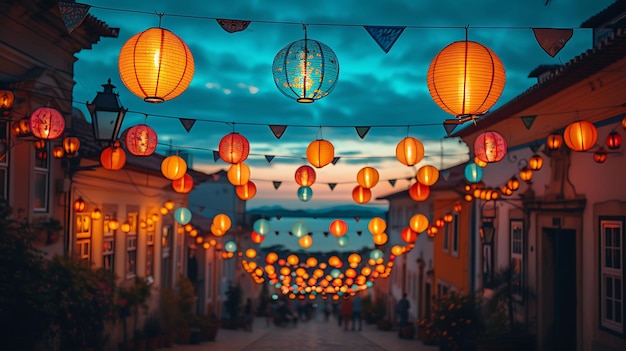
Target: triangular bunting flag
{"x": 73, "y": 14}
{"x": 290, "y": 233}
{"x": 277, "y": 184}
{"x": 357, "y": 219}
{"x": 269, "y": 158}
{"x": 277, "y": 232}
{"x": 216, "y": 176}
{"x": 216, "y": 155}
{"x": 335, "y": 160}
{"x": 385, "y": 37}
{"x": 200, "y": 208}
{"x": 187, "y": 123}
{"x": 326, "y": 234}
{"x": 535, "y": 147}
{"x": 392, "y": 182}
{"x": 445, "y": 174}
{"x": 362, "y": 131}
{"x": 359, "y": 232}
{"x": 332, "y": 186}
{"x": 552, "y": 40}
{"x": 449, "y": 128}
{"x": 528, "y": 121}
{"x": 232, "y": 26}
{"x": 409, "y": 178}
{"x": 278, "y": 130}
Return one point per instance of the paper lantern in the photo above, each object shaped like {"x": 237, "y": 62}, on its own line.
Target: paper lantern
{"x": 57, "y": 152}
{"x": 222, "y": 222}
{"x": 418, "y": 223}
{"x": 156, "y": 65}
{"x": 580, "y": 136}
{"x": 271, "y": 257}
{"x": 419, "y": 191}
{"x": 343, "y": 241}
{"x": 480, "y": 162}
{"x": 305, "y": 175}
{"x": 238, "y": 174}
{"x": 246, "y": 191}
{"x": 320, "y": 152}
{"x": 473, "y": 173}
{"x": 234, "y": 148}
{"x": 361, "y": 195}
{"x": 141, "y": 140}
{"x": 250, "y": 253}
{"x": 183, "y": 185}
{"x": 526, "y": 174}
{"x": 466, "y": 78}
{"x": 490, "y": 147}
{"x": 427, "y": 175}
{"x": 305, "y": 242}
{"x": 46, "y": 123}
{"x": 256, "y": 237}
{"x": 173, "y": 167}
{"x": 367, "y": 177}
{"x": 601, "y": 155}
{"x": 7, "y": 98}
{"x": 409, "y": 151}
{"x": 408, "y": 235}
{"x": 305, "y": 193}
{"x": 230, "y": 246}
{"x": 380, "y": 239}
{"x": 299, "y": 229}
{"x": 261, "y": 226}
{"x": 113, "y": 157}
{"x": 338, "y": 227}
{"x": 182, "y": 215}
{"x": 535, "y": 162}
{"x": 554, "y": 141}
{"x": 613, "y": 140}
{"x": 305, "y": 70}
{"x": 376, "y": 254}
{"x": 377, "y": 225}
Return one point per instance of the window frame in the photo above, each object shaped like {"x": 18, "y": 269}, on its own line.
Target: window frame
{"x": 43, "y": 170}
{"x": 516, "y": 226}
{"x": 604, "y": 324}
{"x": 130, "y": 269}
{"x": 454, "y": 242}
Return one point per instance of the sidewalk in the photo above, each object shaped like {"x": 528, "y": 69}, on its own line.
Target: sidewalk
{"x": 230, "y": 340}
{"x": 390, "y": 341}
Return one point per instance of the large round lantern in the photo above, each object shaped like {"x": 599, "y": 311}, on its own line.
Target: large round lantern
{"x": 490, "y": 147}
{"x": 409, "y": 151}
{"x": 182, "y": 215}
{"x": 320, "y": 153}
{"x": 305, "y": 175}
{"x": 427, "y": 175}
{"x": 613, "y": 140}
{"x": 419, "y": 191}
{"x": 234, "y": 148}
{"x": 173, "y": 167}
{"x": 580, "y": 135}
{"x": 46, "y": 123}
{"x": 222, "y": 222}
{"x": 466, "y": 78}
{"x": 256, "y": 237}
{"x": 338, "y": 227}
{"x": 408, "y": 235}
{"x": 305, "y": 193}
{"x": 305, "y": 70}
{"x": 141, "y": 140}
{"x": 299, "y": 229}
{"x": 418, "y": 222}
{"x": 261, "y": 226}
{"x": 377, "y": 225}
{"x": 361, "y": 195}
{"x": 113, "y": 157}
{"x": 473, "y": 173}
{"x": 183, "y": 185}
{"x": 246, "y": 191}
{"x": 305, "y": 242}
{"x": 238, "y": 174}
{"x": 156, "y": 65}
{"x": 367, "y": 177}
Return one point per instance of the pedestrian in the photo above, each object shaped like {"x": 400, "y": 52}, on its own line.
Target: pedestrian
{"x": 402, "y": 309}
{"x": 247, "y": 315}
{"x": 345, "y": 311}
{"x": 356, "y": 312}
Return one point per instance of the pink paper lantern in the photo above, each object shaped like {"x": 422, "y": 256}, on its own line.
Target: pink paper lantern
{"x": 490, "y": 147}
{"x": 46, "y": 123}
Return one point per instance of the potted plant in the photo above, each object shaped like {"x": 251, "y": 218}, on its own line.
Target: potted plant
{"x": 186, "y": 299}
{"x": 456, "y": 320}
{"x": 233, "y": 307}
{"x": 152, "y": 331}
{"x": 170, "y": 315}
{"x": 130, "y": 300}
{"x": 209, "y": 326}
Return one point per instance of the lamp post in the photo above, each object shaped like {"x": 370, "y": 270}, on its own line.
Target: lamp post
{"x": 487, "y": 233}
{"x": 107, "y": 115}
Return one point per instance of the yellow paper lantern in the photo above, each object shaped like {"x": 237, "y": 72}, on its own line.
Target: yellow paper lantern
{"x": 409, "y": 151}
{"x": 238, "y": 174}
{"x": 173, "y": 167}
{"x": 377, "y": 225}
{"x": 156, "y": 65}
{"x": 320, "y": 152}
{"x": 427, "y": 175}
{"x": 580, "y": 135}
{"x": 418, "y": 222}
{"x": 466, "y": 78}
{"x": 367, "y": 177}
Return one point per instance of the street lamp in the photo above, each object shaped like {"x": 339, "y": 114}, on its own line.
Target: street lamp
{"x": 107, "y": 115}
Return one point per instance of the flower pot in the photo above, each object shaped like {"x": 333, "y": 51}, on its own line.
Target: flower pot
{"x": 209, "y": 331}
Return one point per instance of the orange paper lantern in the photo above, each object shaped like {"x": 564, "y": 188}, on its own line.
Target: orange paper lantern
{"x": 246, "y": 191}
{"x": 338, "y": 227}
{"x": 427, "y": 175}
{"x": 361, "y": 195}
{"x": 183, "y": 185}
{"x": 409, "y": 151}
{"x": 554, "y": 141}
{"x": 305, "y": 241}
{"x": 234, "y": 148}
{"x": 418, "y": 223}
{"x": 600, "y": 155}
{"x": 367, "y": 177}
{"x": 113, "y": 157}
{"x": 238, "y": 174}
{"x": 535, "y": 162}
{"x": 320, "y": 153}
{"x": 222, "y": 222}
{"x": 173, "y": 167}
{"x": 613, "y": 140}
{"x": 580, "y": 135}
{"x": 377, "y": 225}
{"x": 305, "y": 176}
{"x": 419, "y": 191}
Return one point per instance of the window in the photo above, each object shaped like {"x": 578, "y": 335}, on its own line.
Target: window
{"x": 83, "y": 251}
{"x": 4, "y": 159}
{"x": 150, "y": 234}
{"x": 131, "y": 246}
{"x": 612, "y": 274}
{"x": 41, "y": 178}
{"x": 453, "y": 228}
{"x": 108, "y": 251}
{"x": 446, "y": 238}
{"x": 517, "y": 257}
{"x": 82, "y": 230}
{"x": 166, "y": 261}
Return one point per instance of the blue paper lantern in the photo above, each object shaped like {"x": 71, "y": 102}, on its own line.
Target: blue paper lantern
{"x": 376, "y": 254}
{"x": 299, "y": 229}
{"x": 473, "y": 172}
{"x": 230, "y": 246}
{"x": 182, "y": 215}
{"x": 335, "y": 273}
{"x": 261, "y": 226}
{"x": 305, "y": 70}
{"x": 343, "y": 241}
{"x": 305, "y": 193}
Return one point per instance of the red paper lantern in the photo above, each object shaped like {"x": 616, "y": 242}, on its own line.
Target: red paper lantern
{"x": 490, "y": 147}
{"x": 113, "y": 157}
{"x": 409, "y": 151}
{"x": 601, "y": 155}
{"x": 408, "y": 235}
{"x": 580, "y": 135}
{"x": 338, "y": 227}
{"x": 320, "y": 152}
{"x": 361, "y": 195}
{"x": 234, "y": 148}
{"x": 46, "y": 123}
{"x": 183, "y": 185}
{"x": 419, "y": 191}
{"x": 256, "y": 237}
{"x": 305, "y": 175}
{"x": 246, "y": 191}
{"x": 613, "y": 140}
{"x": 141, "y": 140}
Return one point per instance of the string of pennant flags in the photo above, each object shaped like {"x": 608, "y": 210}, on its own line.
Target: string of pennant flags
{"x": 551, "y": 40}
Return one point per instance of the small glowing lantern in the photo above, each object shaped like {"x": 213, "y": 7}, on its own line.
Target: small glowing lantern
{"x": 535, "y": 162}
{"x": 440, "y": 223}
{"x": 7, "y": 98}
{"x": 46, "y": 123}
{"x": 506, "y": 191}
{"x": 238, "y": 174}
{"x": 222, "y": 222}
{"x": 580, "y": 135}
{"x": 448, "y": 217}
{"x": 79, "y": 205}
{"x": 96, "y": 214}
{"x": 432, "y": 231}
{"x": 182, "y": 215}
{"x": 256, "y": 237}
{"x": 305, "y": 70}
{"x": 141, "y": 140}
{"x": 39, "y": 144}
{"x": 624, "y": 123}
{"x": 216, "y": 231}
{"x": 113, "y": 157}
{"x": 377, "y": 225}
{"x": 261, "y": 226}
{"x": 473, "y": 173}
{"x": 427, "y": 175}
{"x": 376, "y": 254}
{"x": 458, "y": 207}
{"x": 418, "y": 223}
{"x": 397, "y": 250}
{"x": 343, "y": 241}
{"x": 600, "y": 156}
{"x": 361, "y": 195}
{"x": 513, "y": 183}
{"x": 169, "y": 205}
{"x": 305, "y": 175}
{"x": 490, "y": 147}
{"x": 479, "y": 162}
{"x": 380, "y": 239}
{"x": 613, "y": 140}
{"x": 230, "y": 246}
{"x": 338, "y": 227}
{"x": 408, "y": 235}
{"x": 367, "y": 177}
{"x": 466, "y": 78}
{"x": 234, "y": 148}
{"x": 305, "y": 242}
{"x": 419, "y": 191}
{"x": 409, "y": 151}
{"x": 183, "y": 185}
{"x": 246, "y": 191}
{"x": 305, "y": 193}
{"x": 526, "y": 174}
{"x": 173, "y": 167}
{"x": 156, "y": 65}
{"x": 554, "y": 141}
{"x": 299, "y": 229}
{"x": 320, "y": 152}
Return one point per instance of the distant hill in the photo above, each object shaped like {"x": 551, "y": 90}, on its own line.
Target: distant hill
{"x": 342, "y": 211}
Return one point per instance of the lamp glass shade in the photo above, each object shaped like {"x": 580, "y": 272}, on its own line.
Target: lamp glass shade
{"x": 377, "y": 225}
{"x": 419, "y": 191}
{"x": 473, "y": 173}
{"x": 427, "y": 175}
{"x": 361, "y": 195}
{"x": 156, "y": 65}
{"x": 305, "y": 193}
{"x": 246, "y": 191}
{"x": 46, "y": 123}
{"x": 338, "y": 227}
{"x": 182, "y": 215}
{"x": 141, "y": 140}
{"x": 367, "y": 177}
{"x": 580, "y": 136}
{"x": 183, "y": 185}
{"x": 490, "y": 147}
{"x": 173, "y": 167}
{"x": 613, "y": 140}
{"x": 305, "y": 175}
{"x": 113, "y": 158}
{"x": 238, "y": 174}
{"x": 305, "y": 70}
{"x": 234, "y": 148}
{"x": 320, "y": 153}
{"x": 409, "y": 151}
{"x": 466, "y": 78}
{"x": 535, "y": 162}
{"x": 418, "y": 222}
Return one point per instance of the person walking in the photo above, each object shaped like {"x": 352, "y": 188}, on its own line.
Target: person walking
{"x": 402, "y": 309}
{"x": 346, "y": 311}
{"x": 356, "y": 312}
